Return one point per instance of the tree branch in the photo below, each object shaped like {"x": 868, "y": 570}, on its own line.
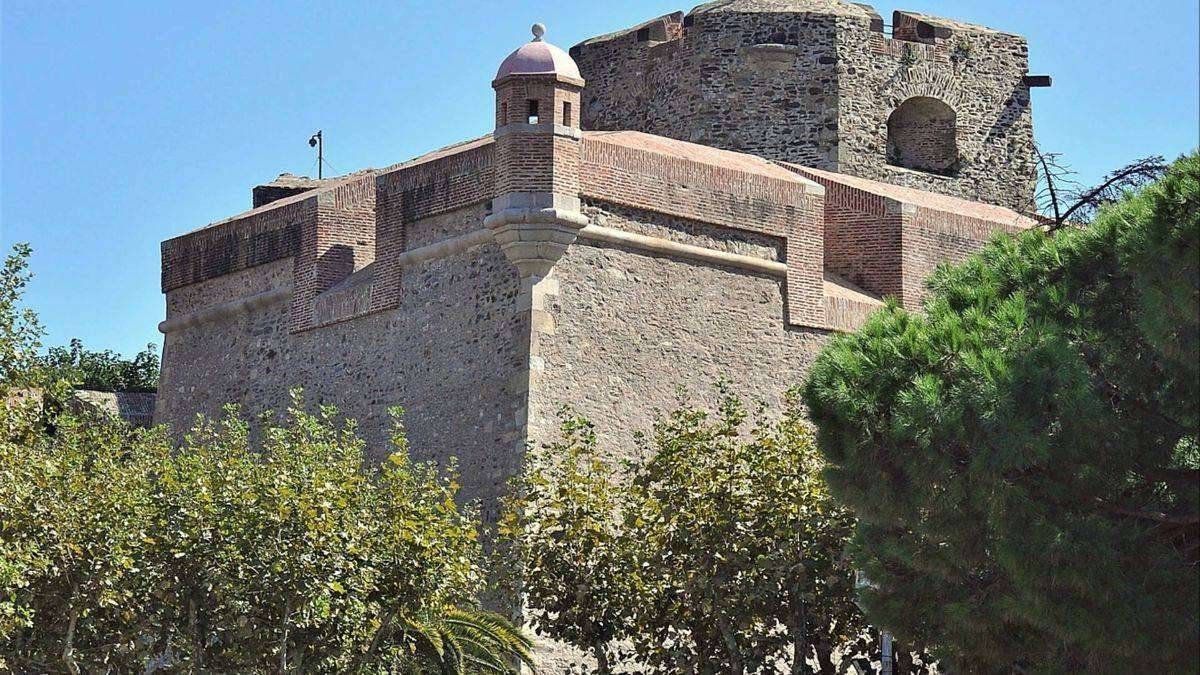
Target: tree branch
{"x": 1049, "y": 184}
{"x": 1132, "y": 175}
{"x": 1155, "y": 516}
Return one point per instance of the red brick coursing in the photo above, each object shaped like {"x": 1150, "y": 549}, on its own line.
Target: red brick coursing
{"x": 417, "y": 191}
{"x": 333, "y": 245}
{"x": 334, "y": 232}
{"x": 862, "y": 237}
{"x": 932, "y": 238}
{"x": 537, "y": 161}
{"x": 256, "y": 238}
{"x": 514, "y": 93}
{"x": 359, "y": 227}
{"x": 891, "y": 247}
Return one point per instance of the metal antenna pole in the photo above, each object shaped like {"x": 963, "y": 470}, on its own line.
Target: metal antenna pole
{"x": 318, "y": 142}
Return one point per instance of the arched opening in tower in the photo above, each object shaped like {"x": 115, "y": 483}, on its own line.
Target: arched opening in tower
{"x": 921, "y": 136}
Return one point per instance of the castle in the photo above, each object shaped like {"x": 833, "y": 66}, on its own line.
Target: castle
{"x": 704, "y": 195}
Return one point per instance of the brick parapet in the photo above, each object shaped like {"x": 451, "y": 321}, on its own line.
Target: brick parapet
{"x": 900, "y": 48}
{"x": 790, "y": 209}
{"x": 933, "y": 237}
{"x": 890, "y": 246}
{"x": 255, "y": 238}
{"x": 337, "y": 242}
{"x": 419, "y": 190}
{"x": 448, "y": 182}
{"x": 269, "y": 233}
{"x": 862, "y": 237}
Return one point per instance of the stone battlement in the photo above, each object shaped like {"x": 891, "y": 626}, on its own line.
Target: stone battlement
{"x": 824, "y": 84}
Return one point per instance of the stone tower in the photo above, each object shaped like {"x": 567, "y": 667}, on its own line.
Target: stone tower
{"x": 933, "y": 103}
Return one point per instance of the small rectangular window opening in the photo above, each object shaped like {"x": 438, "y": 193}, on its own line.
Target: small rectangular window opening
{"x": 504, "y": 113}
{"x": 566, "y": 113}
{"x": 533, "y": 111}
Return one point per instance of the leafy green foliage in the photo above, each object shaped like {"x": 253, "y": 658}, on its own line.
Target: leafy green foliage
{"x": 122, "y": 553}
{"x": 565, "y": 549}
{"x": 104, "y": 370}
{"x": 722, "y": 552}
{"x": 217, "y": 557}
{"x": 741, "y": 547}
{"x": 20, "y": 332}
{"x": 1022, "y": 458}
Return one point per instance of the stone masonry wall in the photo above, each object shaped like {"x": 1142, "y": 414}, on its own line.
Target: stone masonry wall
{"x": 814, "y": 82}
{"x": 978, "y": 73}
{"x": 453, "y": 353}
{"x": 731, "y": 80}
{"x": 667, "y": 323}
{"x": 616, "y": 168}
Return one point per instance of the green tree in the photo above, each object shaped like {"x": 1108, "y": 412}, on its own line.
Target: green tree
{"x": 564, "y": 547}
{"x": 20, "y": 332}
{"x": 297, "y": 557}
{"x": 119, "y": 551}
{"x": 104, "y": 370}
{"x": 741, "y": 559}
{"x": 122, "y": 553}
{"x": 721, "y": 552}
{"x": 73, "y": 548}
{"x": 1022, "y": 457}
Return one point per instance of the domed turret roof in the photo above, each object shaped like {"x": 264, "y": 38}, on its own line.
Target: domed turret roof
{"x": 539, "y": 57}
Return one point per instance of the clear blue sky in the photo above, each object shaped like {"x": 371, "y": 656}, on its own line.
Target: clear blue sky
{"x": 124, "y": 123}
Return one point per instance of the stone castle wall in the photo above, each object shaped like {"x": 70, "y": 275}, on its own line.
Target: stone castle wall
{"x": 814, "y": 82}
{"x": 449, "y": 353}
{"x": 668, "y": 323}
{"x": 977, "y": 73}
{"x": 720, "y": 82}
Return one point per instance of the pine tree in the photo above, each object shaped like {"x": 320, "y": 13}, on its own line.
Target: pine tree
{"x": 1022, "y": 457}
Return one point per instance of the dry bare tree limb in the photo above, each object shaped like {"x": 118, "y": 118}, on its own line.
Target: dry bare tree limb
{"x": 1070, "y": 201}
{"x": 1129, "y": 177}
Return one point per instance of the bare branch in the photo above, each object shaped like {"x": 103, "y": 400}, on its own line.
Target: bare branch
{"x": 1049, "y": 176}
{"x": 1129, "y": 177}
{"x": 1068, "y": 201}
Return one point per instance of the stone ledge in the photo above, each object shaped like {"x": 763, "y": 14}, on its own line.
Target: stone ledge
{"x": 905, "y": 171}
{"x": 540, "y": 128}
{"x": 673, "y": 248}
{"x": 224, "y": 310}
